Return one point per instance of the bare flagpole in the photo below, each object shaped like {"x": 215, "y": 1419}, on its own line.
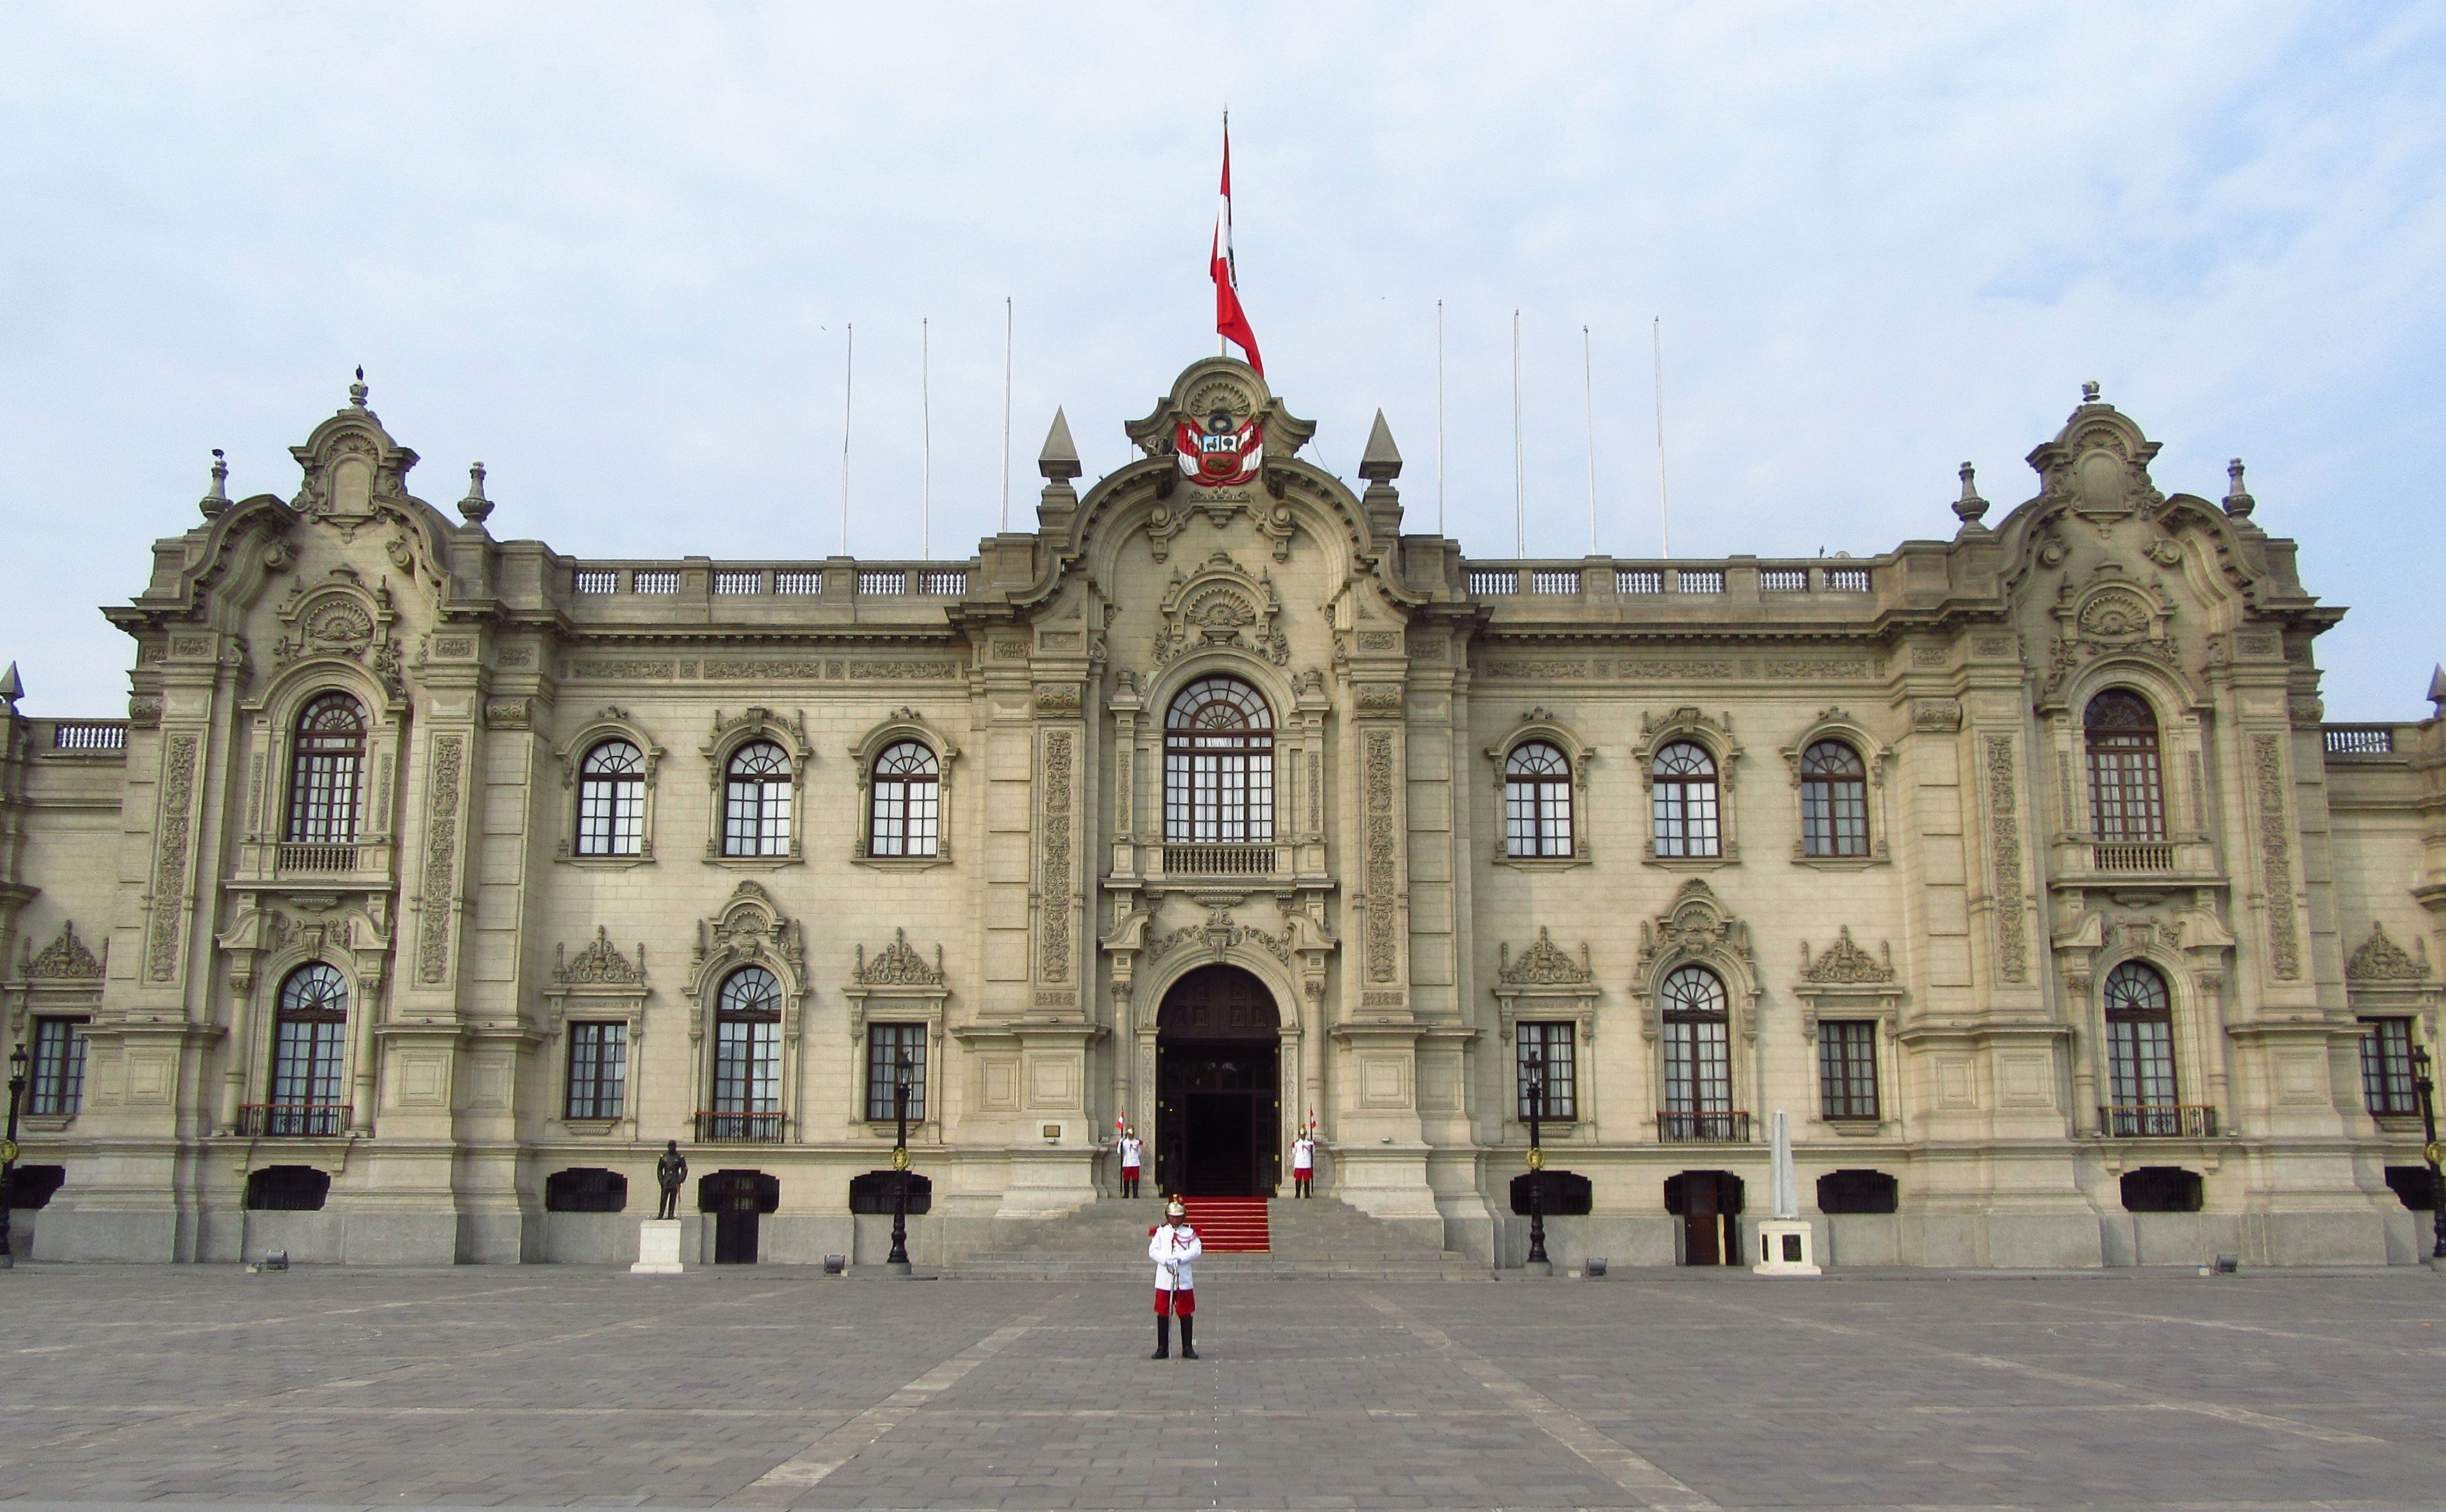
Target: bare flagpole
{"x": 1589, "y": 402}
{"x": 1520, "y": 463}
{"x": 926, "y": 439}
{"x": 1440, "y": 417}
{"x": 1005, "y": 523}
{"x": 1664, "y": 509}
{"x": 849, "y": 377}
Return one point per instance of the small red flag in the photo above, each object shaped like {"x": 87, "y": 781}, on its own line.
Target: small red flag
{"x": 1231, "y": 321}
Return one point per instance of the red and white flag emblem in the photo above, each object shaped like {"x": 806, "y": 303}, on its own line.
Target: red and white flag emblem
{"x": 1231, "y": 321}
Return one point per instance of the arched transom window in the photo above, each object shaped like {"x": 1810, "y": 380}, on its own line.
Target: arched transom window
{"x": 1684, "y": 795}
{"x": 1218, "y": 764}
{"x": 1833, "y": 800}
{"x": 310, "y": 1052}
{"x": 611, "y": 801}
{"x": 905, "y": 817}
{"x": 324, "y": 768}
{"x": 756, "y": 801}
{"x": 1536, "y": 801}
{"x": 2127, "y": 797}
{"x": 2140, "y": 1053}
{"x": 1698, "y": 1052}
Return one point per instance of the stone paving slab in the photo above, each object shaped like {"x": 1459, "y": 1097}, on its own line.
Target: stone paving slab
{"x": 776, "y": 1387}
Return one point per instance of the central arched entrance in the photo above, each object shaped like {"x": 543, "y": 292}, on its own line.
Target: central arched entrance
{"x": 1218, "y": 1079}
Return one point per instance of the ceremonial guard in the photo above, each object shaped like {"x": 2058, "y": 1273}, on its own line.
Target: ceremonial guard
{"x": 1173, "y": 1245}
{"x": 1131, "y": 1152}
{"x": 1303, "y": 1161}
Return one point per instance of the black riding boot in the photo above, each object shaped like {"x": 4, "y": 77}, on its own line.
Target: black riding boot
{"x": 1188, "y": 1332}
{"x": 1163, "y": 1336}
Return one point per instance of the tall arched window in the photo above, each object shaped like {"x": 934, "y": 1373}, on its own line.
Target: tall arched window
{"x": 1833, "y": 800}
{"x": 611, "y": 801}
{"x": 1686, "y": 800}
{"x": 1218, "y": 764}
{"x": 324, "y": 767}
{"x": 756, "y": 801}
{"x": 2140, "y": 1053}
{"x": 905, "y": 818}
{"x": 1697, "y": 1056}
{"x": 1536, "y": 801}
{"x": 309, "y": 1054}
{"x": 2127, "y": 795}
{"x": 746, "y": 1058}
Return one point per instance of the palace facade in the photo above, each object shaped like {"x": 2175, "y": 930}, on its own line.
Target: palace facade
{"x": 434, "y": 881}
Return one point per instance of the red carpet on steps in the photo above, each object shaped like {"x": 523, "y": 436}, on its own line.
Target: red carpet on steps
{"x": 1230, "y": 1225}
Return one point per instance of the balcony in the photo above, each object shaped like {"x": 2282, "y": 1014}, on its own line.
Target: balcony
{"x": 1222, "y": 861}
{"x": 2077, "y": 860}
{"x": 294, "y": 1120}
{"x": 2127, "y": 856}
{"x": 317, "y": 857}
{"x": 2157, "y": 1120}
{"x": 718, "y": 1127}
{"x": 1703, "y": 1129}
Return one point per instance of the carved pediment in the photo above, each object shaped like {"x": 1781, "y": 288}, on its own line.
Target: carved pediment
{"x": 64, "y": 958}
{"x": 750, "y": 925}
{"x": 1221, "y": 605}
{"x": 600, "y": 964}
{"x": 1844, "y": 963}
{"x": 1696, "y": 925}
{"x": 1543, "y": 964}
{"x": 340, "y": 617}
{"x": 898, "y": 965}
{"x": 2380, "y": 959}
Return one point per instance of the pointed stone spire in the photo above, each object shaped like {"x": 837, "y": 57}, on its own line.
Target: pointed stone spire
{"x": 475, "y": 507}
{"x": 1381, "y": 461}
{"x": 1059, "y": 461}
{"x": 1970, "y": 508}
{"x": 2437, "y": 689}
{"x": 2238, "y": 501}
{"x": 358, "y": 390}
{"x": 216, "y": 500}
{"x": 11, "y": 689}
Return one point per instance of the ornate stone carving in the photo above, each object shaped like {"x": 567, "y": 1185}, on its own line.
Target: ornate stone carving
{"x": 1057, "y": 698}
{"x": 1221, "y": 605}
{"x": 1378, "y": 699}
{"x": 1937, "y": 715}
{"x": 2276, "y": 853}
{"x": 1056, "y": 884}
{"x": 1696, "y": 925}
{"x": 143, "y": 712}
{"x": 170, "y": 862}
{"x": 1543, "y": 964}
{"x": 2005, "y": 836}
{"x": 903, "y": 670}
{"x": 600, "y": 964}
{"x": 2380, "y": 959}
{"x": 750, "y": 925}
{"x": 440, "y": 861}
{"x": 1377, "y": 783}
{"x": 1844, "y": 963}
{"x": 509, "y": 714}
{"x": 64, "y": 958}
{"x": 898, "y": 965}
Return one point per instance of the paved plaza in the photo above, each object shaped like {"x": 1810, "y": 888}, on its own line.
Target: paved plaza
{"x": 770, "y": 1387}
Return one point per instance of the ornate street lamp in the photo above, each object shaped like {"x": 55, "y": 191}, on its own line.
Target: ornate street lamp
{"x": 2429, "y": 1152}
{"x": 898, "y": 1259}
{"x": 8, "y": 1152}
{"x": 1536, "y": 1159}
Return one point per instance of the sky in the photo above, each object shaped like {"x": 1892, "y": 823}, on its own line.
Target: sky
{"x": 615, "y": 251}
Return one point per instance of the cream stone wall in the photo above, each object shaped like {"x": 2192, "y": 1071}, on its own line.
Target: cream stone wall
{"x": 1399, "y": 943}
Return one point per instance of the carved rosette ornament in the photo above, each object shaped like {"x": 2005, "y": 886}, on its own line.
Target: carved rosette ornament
{"x": 1220, "y": 605}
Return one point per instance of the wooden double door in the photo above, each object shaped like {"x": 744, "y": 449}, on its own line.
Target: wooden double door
{"x": 1218, "y": 1086}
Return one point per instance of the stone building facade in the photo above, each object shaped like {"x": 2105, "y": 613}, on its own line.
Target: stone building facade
{"x": 434, "y": 881}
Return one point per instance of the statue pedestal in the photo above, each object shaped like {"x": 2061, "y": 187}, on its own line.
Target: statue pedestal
{"x": 1785, "y": 1248}
{"x": 658, "y": 1248}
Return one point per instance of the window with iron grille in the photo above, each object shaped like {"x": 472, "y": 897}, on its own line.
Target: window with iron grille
{"x": 885, "y": 1045}
{"x": 2127, "y": 798}
{"x": 2140, "y": 1037}
{"x": 741, "y": 581}
{"x": 756, "y": 801}
{"x": 1697, "y": 1057}
{"x": 654, "y": 581}
{"x": 585, "y": 1189}
{"x": 611, "y": 801}
{"x": 598, "y": 580}
{"x": 287, "y": 1189}
{"x": 1847, "y": 1067}
{"x": 748, "y": 1043}
{"x": 904, "y": 816}
{"x": 324, "y": 767}
{"x": 2387, "y": 1067}
{"x": 1547, "y": 1047}
{"x": 1684, "y": 798}
{"x": 309, "y": 1051}
{"x": 1218, "y": 764}
{"x": 58, "y": 1087}
{"x": 1833, "y": 800}
{"x": 798, "y": 582}
{"x": 1536, "y": 801}
{"x": 599, "y": 1070}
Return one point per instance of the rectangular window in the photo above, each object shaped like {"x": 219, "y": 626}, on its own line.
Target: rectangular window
{"x": 58, "y": 1066}
{"x": 307, "y": 1073}
{"x": 2127, "y": 798}
{"x": 2387, "y": 1067}
{"x": 885, "y": 1045}
{"x": 1697, "y": 1068}
{"x": 747, "y": 1065}
{"x": 1847, "y": 1067}
{"x": 2141, "y": 1062}
{"x": 1685, "y": 818}
{"x": 599, "y": 1070}
{"x": 1553, "y": 1042}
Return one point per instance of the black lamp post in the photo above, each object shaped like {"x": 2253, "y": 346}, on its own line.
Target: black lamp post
{"x": 1537, "y": 1161}
{"x": 8, "y": 1152}
{"x": 898, "y": 1259}
{"x": 2429, "y": 1152}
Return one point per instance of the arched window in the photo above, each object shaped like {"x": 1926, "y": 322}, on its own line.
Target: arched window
{"x": 1697, "y": 1056}
{"x": 1686, "y": 800}
{"x": 2127, "y": 795}
{"x": 1218, "y": 764}
{"x": 756, "y": 801}
{"x": 1833, "y": 800}
{"x": 746, "y": 1058}
{"x": 309, "y": 1054}
{"x": 2140, "y": 1053}
{"x": 611, "y": 801}
{"x": 905, "y": 819}
{"x": 324, "y": 767}
{"x": 1536, "y": 801}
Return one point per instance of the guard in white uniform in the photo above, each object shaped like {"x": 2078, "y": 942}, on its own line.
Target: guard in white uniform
{"x": 1302, "y": 1162}
{"x": 1131, "y": 1152}
{"x": 1172, "y": 1245}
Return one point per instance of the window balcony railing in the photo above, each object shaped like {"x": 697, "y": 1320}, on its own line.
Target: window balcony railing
{"x": 718, "y": 1127}
{"x": 294, "y": 1120}
{"x": 1221, "y": 861}
{"x": 1703, "y": 1129}
{"x": 2157, "y": 1120}
{"x": 304, "y": 857}
{"x": 2128, "y": 856}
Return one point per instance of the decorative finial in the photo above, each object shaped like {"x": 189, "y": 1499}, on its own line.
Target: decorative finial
{"x": 1381, "y": 463}
{"x": 1969, "y": 508}
{"x": 2437, "y": 690}
{"x": 357, "y": 391}
{"x": 475, "y": 507}
{"x": 1059, "y": 461}
{"x": 216, "y": 499}
{"x": 2089, "y": 392}
{"x": 2238, "y": 501}
{"x": 11, "y": 689}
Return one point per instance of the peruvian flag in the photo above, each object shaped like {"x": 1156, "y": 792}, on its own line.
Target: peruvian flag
{"x": 1230, "y": 320}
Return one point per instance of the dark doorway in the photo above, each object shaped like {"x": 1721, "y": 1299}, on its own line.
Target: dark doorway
{"x": 737, "y": 1200}
{"x": 1218, "y": 1072}
{"x": 1709, "y": 1205}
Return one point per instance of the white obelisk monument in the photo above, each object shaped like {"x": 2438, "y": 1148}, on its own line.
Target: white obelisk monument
{"x": 1786, "y": 1245}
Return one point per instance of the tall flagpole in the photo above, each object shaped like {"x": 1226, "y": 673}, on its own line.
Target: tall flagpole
{"x": 849, "y": 377}
{"x": 1664, "y": 509}
{"x": 1005, "y": 523}
{"x": 1520, "y": 462}
{"x": 1440, "y": 417}
{"x": 926, "y": 440}
{"x": 1589, "y": 402}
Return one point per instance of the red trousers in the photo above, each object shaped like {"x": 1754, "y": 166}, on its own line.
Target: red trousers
{"x": 1183, "y": 1304}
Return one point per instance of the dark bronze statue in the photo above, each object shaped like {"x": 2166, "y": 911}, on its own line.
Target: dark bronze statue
{"x": 670, "y": 1171}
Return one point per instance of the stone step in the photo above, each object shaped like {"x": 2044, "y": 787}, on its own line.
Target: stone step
{"x": 1312, "y": 1239}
